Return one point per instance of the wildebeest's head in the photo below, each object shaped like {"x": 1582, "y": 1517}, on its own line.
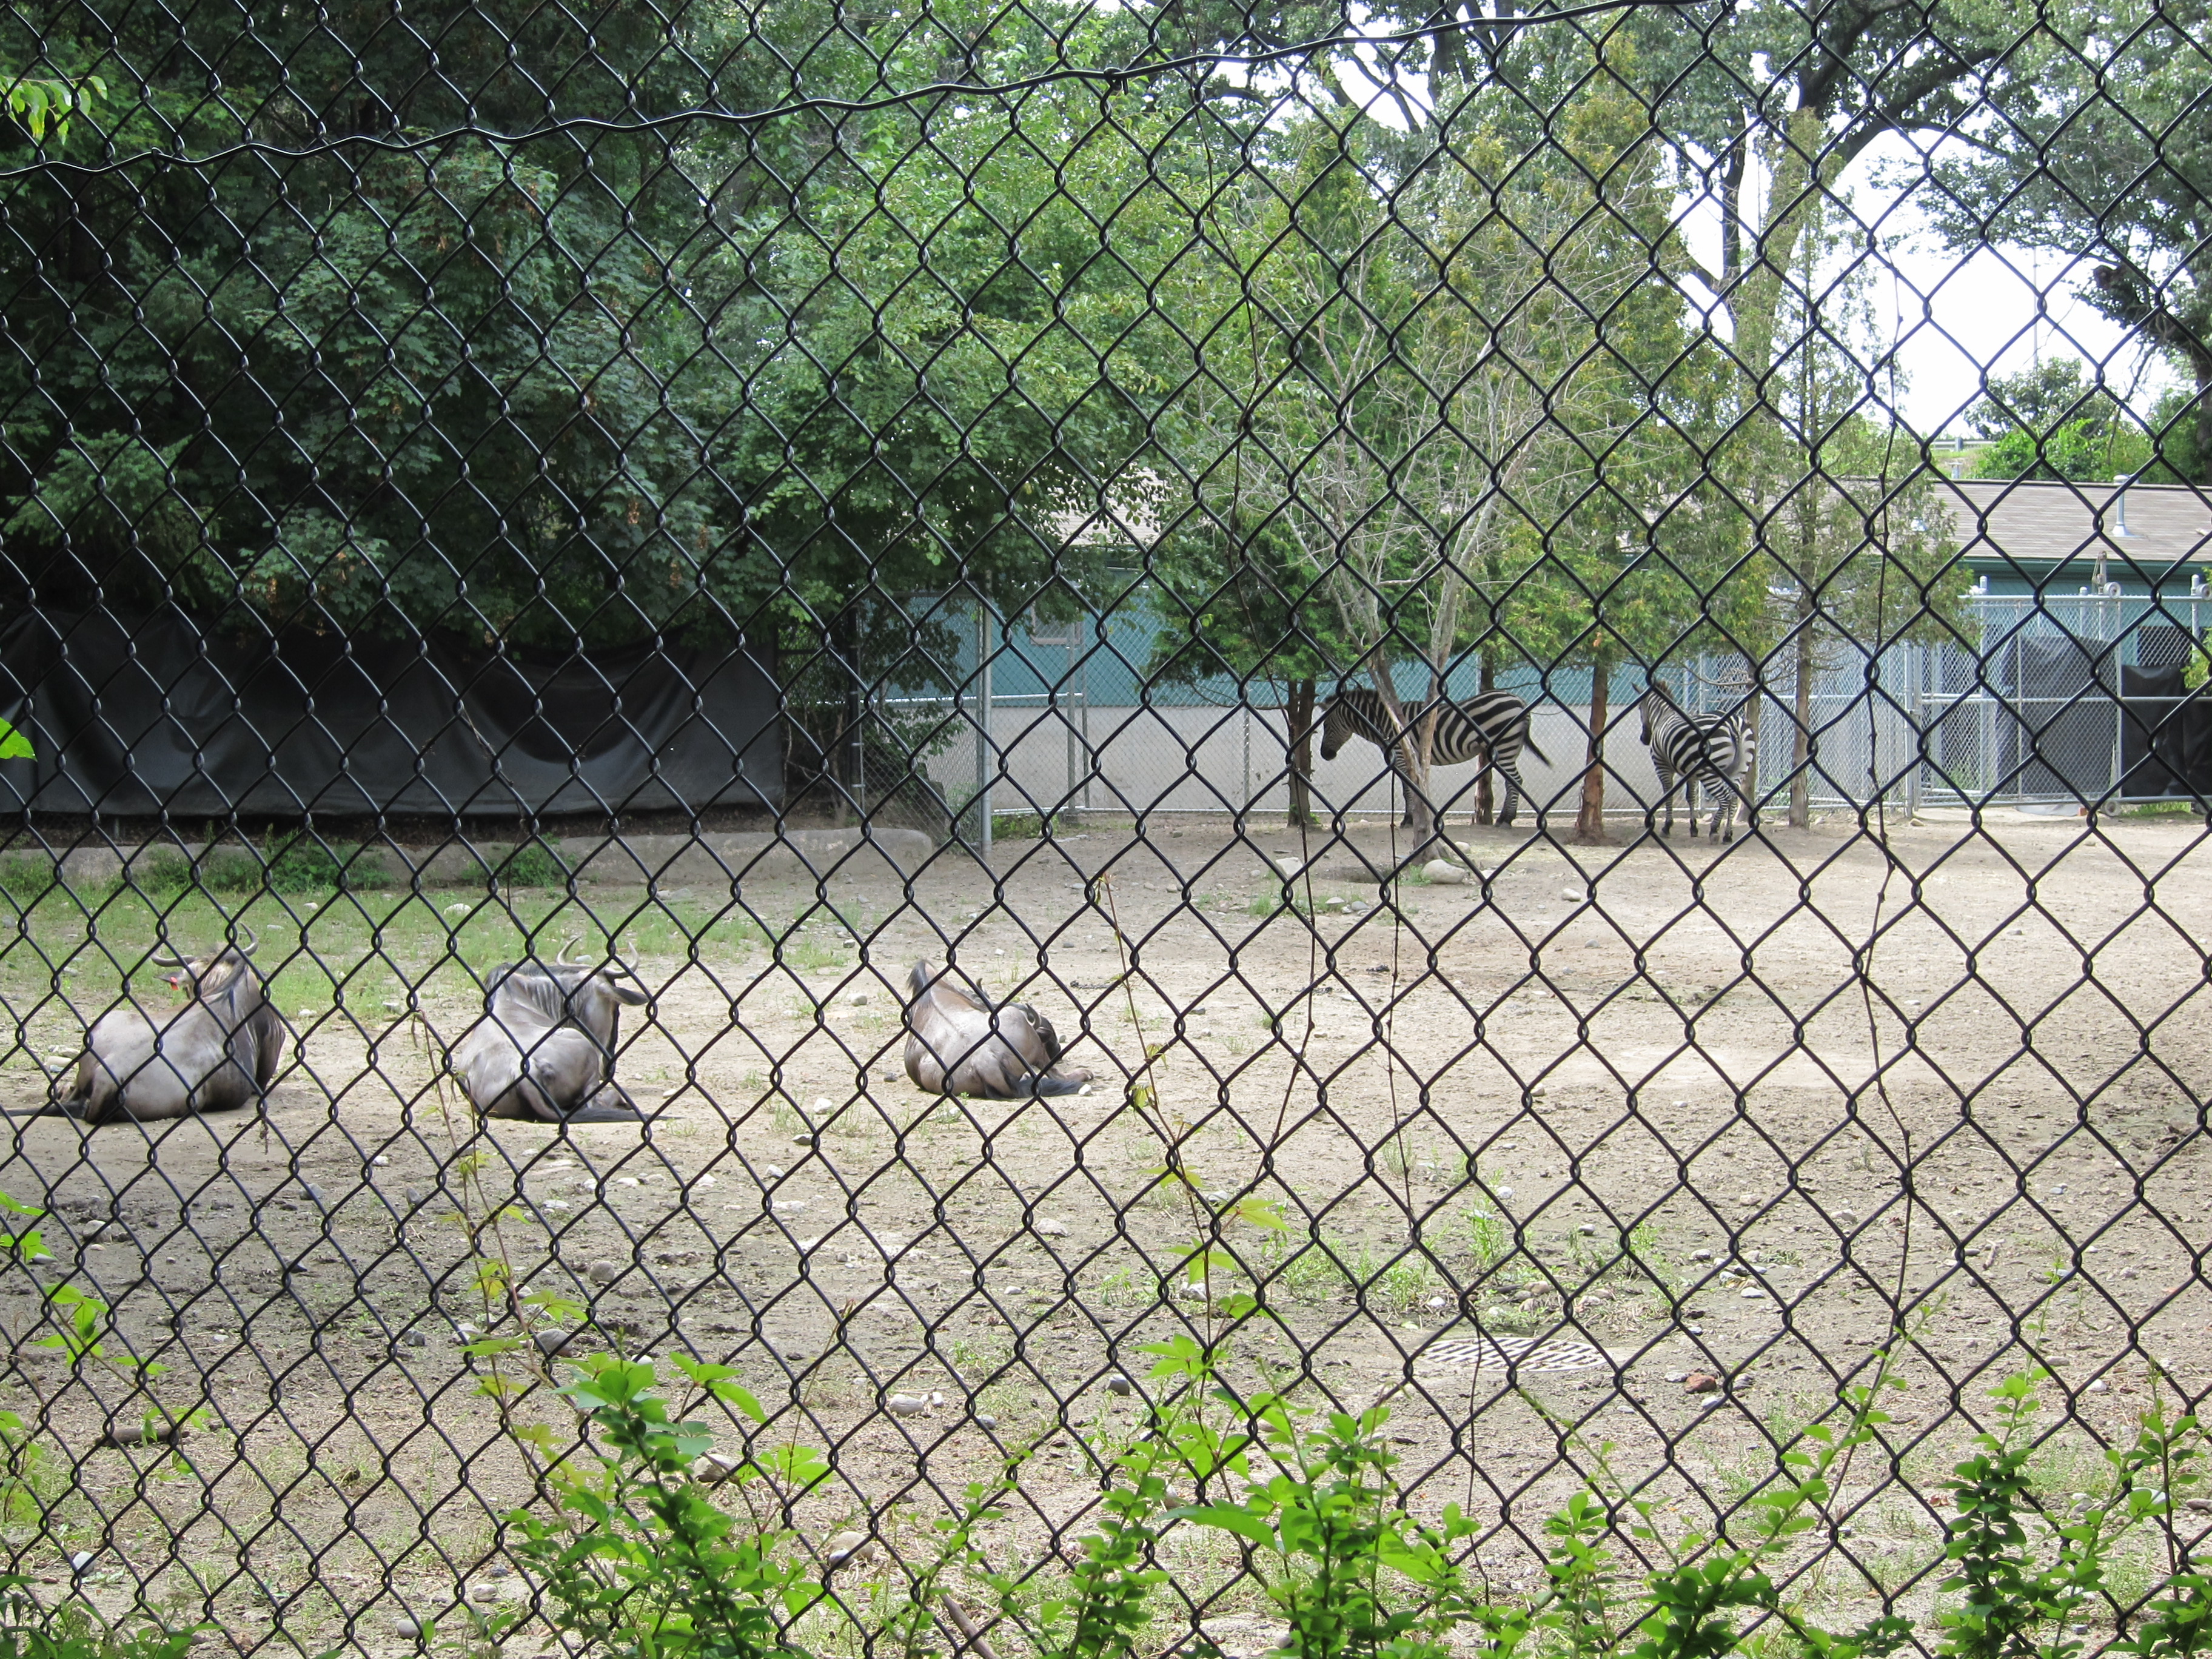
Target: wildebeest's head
{"x": 224, "y": 972}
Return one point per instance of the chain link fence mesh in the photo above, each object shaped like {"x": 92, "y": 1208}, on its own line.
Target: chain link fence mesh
{"x": 771, "y": 497}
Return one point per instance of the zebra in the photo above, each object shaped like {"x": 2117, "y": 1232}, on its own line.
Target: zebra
{"x": 1492, "y": 728}
{"x": 1719, "y": 751}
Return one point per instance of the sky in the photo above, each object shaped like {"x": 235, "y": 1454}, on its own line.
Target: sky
{"x": 1993, "y": 311}
{"x": 1997, "y": 310}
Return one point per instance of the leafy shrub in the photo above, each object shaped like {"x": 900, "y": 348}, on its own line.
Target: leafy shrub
{"x": 72, "y": 1630}
{"x": 305, "y": 864}
{"x": 166, "y": 871}
{"x": 533, "y": 864}
{"x": 643, "y": 1564}
{"x": 27, "y": 878}
{"x": 230, "y": 870}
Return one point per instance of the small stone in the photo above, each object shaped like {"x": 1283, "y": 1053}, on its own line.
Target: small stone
{"x": 1052, "y": 1229}
{"x": 411, "y": 1629}
{"x": 713, "y": 1469}
{"x": 802, "y": 1140}
{"x": 1572, "y": 895}
{"x": 772, "y": 1171}
{"x": 1118, "y": 1384}
{"x": 822, "y": 1106}
{"x": 1505, "y": 1192}
{"x": 985, "y": 1421}
{"x": 856, "y": 1548}
{"x": 1847, "y": 1218}
{"x": 1444, "y": 872}
{"x": 379, "y": 1162}
{"x": 2098, "y": 1387}
{"x": 415, "y": 1340}
{"x": 860, "y": 999}
{"x": 603, "y": 1272}
{"x": 1749, "y": 1201}
{"x": 551, "y": 1343}
{"x": 2201, "y": 1506}
{"x": 906, "y": 1405}
{"x": 314, "y": 1192}
{"x": 81, "y": 1561}
{"x": 1701, "y": 1383}
{"x": 138, "y": 1432}
{"x": 483, "y": 1592}
{"x": 1676, "y": 1377}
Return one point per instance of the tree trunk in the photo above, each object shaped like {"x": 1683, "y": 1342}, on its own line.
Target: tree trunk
{"x": 1301, "y": 713}
{"x": 1589, "y": 822}
{"x": 1801, "y": 742}
{"x": 1484, "y": 812}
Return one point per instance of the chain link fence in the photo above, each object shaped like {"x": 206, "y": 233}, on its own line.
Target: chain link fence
{"x": 559, "y": 564}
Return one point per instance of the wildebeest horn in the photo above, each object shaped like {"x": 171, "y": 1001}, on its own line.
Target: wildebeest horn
{"x": 561, "y": 956}
{"x": 165, "y": 959}
{"x": 252, "y": 940}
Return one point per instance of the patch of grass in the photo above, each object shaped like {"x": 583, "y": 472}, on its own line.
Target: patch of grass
{"x": 1023, "y": 826}
{"x": 1488, "y": 1237}
{"x": 1401, "y": 1286}
{"x": 1306, "y": 1270}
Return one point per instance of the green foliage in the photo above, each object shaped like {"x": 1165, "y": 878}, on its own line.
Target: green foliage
{"x": 2054, "y": 394}
{"x": 641, "y": 1563}
{"x": 533, "y": 864}
{"x": 29, "y": 1629}
{"x": 28, "y": 877}
{"x": 2084, "y": 451}
{"x": 41, "y": 105}
{"x": 14, "y": 745}
{"x": 302, "y": 863}
{"x": 2021, "y": 1594}
{"x": 1349, "y": 1570}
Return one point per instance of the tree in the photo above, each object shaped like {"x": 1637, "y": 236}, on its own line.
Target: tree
{"x": 1447, "y": 340}
{"x": 2093, "y": 145}
{"x": 562, "y": 389}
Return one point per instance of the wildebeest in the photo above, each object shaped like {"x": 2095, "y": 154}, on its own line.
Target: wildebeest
{"x": 545, "y": 1049}
{"x": 957, "y": 1045}
{"x": 216, "y": 1052}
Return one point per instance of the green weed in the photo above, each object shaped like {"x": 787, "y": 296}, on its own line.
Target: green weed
{"x": 533, "y": 864}
{"x": 27, "y": 878}
{"x": 640, "y": 1560}
{"x": 30, "y": 1630}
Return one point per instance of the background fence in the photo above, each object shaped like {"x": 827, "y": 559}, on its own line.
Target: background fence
{"x": 558, "y": 564}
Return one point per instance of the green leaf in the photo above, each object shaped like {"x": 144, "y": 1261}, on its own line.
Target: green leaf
{"x": 1242, "y": 1523}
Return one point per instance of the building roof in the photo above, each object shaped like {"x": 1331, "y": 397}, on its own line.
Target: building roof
{"x": 1996, "y": 522}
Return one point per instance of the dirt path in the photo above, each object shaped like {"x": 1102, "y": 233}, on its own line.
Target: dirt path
{"x": 1637, "y": 1098}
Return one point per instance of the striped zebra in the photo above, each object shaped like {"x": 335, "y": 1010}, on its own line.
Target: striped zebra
{"x": 1492, "y": 728}
{"x": 1718, "y": 750}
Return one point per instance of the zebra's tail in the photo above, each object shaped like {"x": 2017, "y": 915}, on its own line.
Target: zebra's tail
{"x": 1528, "y": 743}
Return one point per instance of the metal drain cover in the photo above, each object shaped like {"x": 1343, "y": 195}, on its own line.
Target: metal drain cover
{"x": 1528, "y": 1354}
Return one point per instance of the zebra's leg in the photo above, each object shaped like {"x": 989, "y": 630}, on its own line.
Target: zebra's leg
{"x": 1510, "y": 771}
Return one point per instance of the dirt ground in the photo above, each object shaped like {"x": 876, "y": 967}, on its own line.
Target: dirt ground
{"x": 1703, "y": 1109}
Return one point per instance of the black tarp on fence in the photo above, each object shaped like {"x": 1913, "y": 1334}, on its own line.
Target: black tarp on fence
{"x": 135, "y": 715}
